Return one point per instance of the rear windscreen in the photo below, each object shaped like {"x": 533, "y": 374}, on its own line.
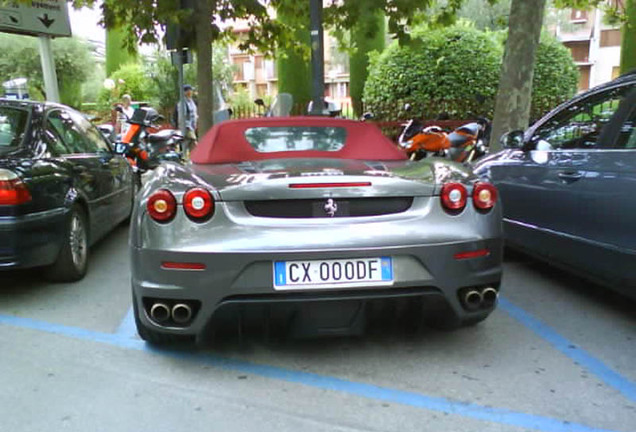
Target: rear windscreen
{"x": 296, "y": 138}
{"x": 13, "y": 123}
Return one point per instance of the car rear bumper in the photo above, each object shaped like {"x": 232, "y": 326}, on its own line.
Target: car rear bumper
{"x": 235, "y": 282}
{"x": 31, "y": 240}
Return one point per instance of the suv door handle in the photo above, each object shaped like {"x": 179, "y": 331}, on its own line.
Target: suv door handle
{"x": 570, "y": 176}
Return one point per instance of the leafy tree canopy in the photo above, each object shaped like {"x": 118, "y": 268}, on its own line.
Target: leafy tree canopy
{"x": 263, "y": 27}
{"x": 20, "y": 57}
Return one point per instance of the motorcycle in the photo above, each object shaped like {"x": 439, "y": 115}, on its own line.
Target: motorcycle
{"x": 144, "y": 148}
{"x": 465, "y": 144}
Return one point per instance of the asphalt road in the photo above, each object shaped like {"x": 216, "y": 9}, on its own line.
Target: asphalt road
{"x": 559, "y": 354}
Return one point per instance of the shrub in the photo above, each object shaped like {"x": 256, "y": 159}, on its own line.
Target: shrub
{"x": 456, "y": 71}
{"x": 556, "y": 76}
{"x": 452, "y": 70}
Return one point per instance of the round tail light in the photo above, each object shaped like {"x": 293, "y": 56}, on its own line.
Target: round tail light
{"x": 454, "y": 197}
{"x": 198, "y": 204}
{"x": 162, "y": 205}
{"x": 484, "y": 196}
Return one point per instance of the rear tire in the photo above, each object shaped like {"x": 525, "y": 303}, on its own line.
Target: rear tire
{"x": 72, "y": 262}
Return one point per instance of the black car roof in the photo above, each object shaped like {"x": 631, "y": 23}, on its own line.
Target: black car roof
{"x": 29, "y": 103}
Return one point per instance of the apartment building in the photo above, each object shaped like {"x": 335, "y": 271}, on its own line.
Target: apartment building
{"x": 595, "y": 45}
{"x": 258, "y": 75}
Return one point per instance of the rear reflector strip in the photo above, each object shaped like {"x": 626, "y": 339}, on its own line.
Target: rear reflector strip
{"x": 472, "y": 254}
{"x": 168, "y": 265}
{"x": 327, "y": 185}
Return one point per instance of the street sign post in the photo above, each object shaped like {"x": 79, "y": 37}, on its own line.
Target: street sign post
{"x": 44, "y": 19}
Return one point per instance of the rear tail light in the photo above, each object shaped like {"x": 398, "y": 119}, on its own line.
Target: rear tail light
{"x": 13, "y": 191}
{"x": 162, "y": 205}
{"x": 484, "y": 196}
{"x": 198, "y": 204}
{"x": 454, "y": 197}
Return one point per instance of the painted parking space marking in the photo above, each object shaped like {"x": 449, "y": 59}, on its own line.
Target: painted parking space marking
{"x": 127, "y": 328}
{"x": 369, "y": 391}
{"x": 576, "y": 353}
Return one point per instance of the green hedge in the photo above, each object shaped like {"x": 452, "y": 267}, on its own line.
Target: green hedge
{"x": 455, "y": 71}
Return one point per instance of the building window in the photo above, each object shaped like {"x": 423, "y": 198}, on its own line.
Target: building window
{"x": 610, "y": 38}
{"x": 578, "y": 16}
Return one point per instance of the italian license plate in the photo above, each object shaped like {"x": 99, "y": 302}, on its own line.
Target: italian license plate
{"x": 338, "y": 273}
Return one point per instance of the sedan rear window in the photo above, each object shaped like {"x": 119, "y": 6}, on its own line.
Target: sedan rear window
{"x": 13, "y": 124}
{"x": 296, "y": 138}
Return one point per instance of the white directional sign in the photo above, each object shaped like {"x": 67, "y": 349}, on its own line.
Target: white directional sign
{"x": 42, "y": 17}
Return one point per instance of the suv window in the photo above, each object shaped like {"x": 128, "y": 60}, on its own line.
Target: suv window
{"x": 579, "y": 125}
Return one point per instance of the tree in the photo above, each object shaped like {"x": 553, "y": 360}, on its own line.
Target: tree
{"x": 164, "y": 87}
{"x": 628, "y": 45}
{"x": 265, "y": 33}
{"x": 512, "y": 105}
{"x": 294, "y": 73}
{"x": 367, "y": 36}
{"x": 486, "y": 15}
{"x": 20, "y": 57}
{"x": 117, "y": 54}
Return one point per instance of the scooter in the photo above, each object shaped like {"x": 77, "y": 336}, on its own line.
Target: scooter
{"x": 144, "y": 149}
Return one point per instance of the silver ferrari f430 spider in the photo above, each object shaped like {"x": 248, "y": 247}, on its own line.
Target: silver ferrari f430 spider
{"x": 316, "y": 222}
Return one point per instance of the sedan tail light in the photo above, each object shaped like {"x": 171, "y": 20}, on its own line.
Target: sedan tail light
{"x": 454, "y": 197}
{"x": 162, "y": 205}
{"x": 198, "y": 204}
{"x": 484, "y": 196}
{"x": 13, "y": 191}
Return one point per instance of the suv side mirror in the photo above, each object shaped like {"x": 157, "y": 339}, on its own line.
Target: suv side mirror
{"x": 512, "y": 140}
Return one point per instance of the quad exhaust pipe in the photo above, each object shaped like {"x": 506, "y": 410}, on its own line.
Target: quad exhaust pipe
{"x": 160, "y": 312}
{"x": 181, "y": 313}
{"x": 474, "y": 299}
{"x": 489, "y": 297}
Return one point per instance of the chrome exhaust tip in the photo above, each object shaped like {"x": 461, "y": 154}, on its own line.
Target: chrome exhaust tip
{"x": 473, "y": 300}
{"x": 181, "y": 313}
{"x": 160, "y": 312}
{"x": 489, "y": 297}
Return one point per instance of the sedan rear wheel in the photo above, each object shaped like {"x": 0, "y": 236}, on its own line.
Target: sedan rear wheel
{"x": 72, "y": 261}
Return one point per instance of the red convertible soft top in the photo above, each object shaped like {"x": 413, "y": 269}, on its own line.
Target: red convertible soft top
{"x": 226, "y": 142}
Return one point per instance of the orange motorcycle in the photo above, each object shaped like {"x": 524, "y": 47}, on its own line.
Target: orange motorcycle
{"x": 465, "y": 144}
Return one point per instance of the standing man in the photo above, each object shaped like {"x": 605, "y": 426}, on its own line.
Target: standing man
{"x": 122, "y": 118}
{"x": 191, "y": 118}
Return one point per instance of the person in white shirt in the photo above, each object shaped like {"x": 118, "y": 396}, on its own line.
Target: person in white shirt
{"x": 122, "y": 118}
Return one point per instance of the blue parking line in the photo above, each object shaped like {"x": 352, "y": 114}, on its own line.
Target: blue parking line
{"x": 576, "y": 353}
{"x": 368, "y": 391}
{"x": 127, "y": 328}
